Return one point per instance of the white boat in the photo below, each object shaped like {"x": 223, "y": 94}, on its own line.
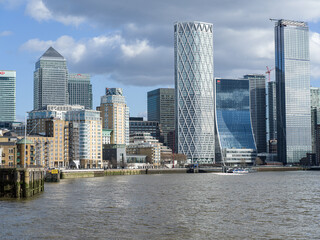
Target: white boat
{"x": 240, "y": 171}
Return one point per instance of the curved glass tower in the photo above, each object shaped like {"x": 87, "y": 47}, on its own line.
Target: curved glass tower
{"x": 194, "y": 112}
{"x": 234, "y": 129}
{"x": 293, "y": 90}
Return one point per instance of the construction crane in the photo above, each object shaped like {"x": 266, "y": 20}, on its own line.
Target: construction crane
{"x": 268, "y": 72}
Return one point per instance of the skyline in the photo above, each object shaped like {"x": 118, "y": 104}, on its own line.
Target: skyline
{"x": 133, "y": 49}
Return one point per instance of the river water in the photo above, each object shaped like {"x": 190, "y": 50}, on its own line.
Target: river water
{"x": 271, "y": 205}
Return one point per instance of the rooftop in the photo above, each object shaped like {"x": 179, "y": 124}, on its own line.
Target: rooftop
{"x": 52, "y": 53}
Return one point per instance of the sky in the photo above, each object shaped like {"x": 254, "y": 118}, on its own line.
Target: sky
{"x": 129, "y": 44}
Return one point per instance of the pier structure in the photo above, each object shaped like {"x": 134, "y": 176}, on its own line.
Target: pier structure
{"x": 21, "y": 182}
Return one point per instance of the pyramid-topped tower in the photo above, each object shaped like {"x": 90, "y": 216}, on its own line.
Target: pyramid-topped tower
{"x": 50, "y": 80}
{"x": 52, "y": 53}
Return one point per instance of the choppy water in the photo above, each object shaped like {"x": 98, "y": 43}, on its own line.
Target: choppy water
{"x": 273, "y": 205}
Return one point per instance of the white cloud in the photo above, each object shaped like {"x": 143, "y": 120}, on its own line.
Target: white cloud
{"x": 315, "y": 54}
{"x": 129, "y": 63}
{"x": 5, "y": 33}
{"x": 66, "y": 44}
{"x": 135, "y": 49}
{"x": 34, "y": 45}
{"x": 39, "y": 11}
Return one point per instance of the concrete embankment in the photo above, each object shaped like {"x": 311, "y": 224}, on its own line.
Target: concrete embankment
{"x": 65, "y": 174}
{"x": 21, "y": 182}
{"x": 276, "y": 168}
{"x": 87, "y": 173}
{"x": 166, "y": 171}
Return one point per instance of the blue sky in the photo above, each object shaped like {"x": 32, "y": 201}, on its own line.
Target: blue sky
{"x": 129, "y": 44}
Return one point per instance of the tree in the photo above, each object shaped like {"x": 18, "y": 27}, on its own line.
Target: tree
{"x": 180, "y": 158}
{"x": 259, "y": 161}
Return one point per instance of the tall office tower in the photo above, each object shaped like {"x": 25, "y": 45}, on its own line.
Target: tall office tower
{"x": 50, "y": 80}
{"x": 272, "y": 111}
{"x": 115, "y": 115}
{"x": 194, "y": 111}
{"x": 80, "y": 90}
{"x": 315, "y": 115}
{"x": 7, "y": 96}
{"x": 161, "y": 109}
{"x": 258, "y": 108}
{"x": 233, "y": 123}
{"x": 293, "y": 90}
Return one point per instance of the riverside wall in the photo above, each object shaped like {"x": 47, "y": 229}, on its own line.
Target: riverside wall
{"x": 86, "y": 173}
{"x": 277, "y": 168}
{"x": 67, "y": 174}
{"x": 21, "y": 182}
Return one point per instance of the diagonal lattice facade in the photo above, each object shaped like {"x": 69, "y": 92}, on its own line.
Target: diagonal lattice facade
{"x": 194, "y": 118}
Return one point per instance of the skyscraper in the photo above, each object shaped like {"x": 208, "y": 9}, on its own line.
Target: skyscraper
{"x": 315, "y": 113}
{"x": 50, "y": 80}
{"x": 236, "y": 143}
{"x": 258, "y": 107}
{"x": 161, "y": 109}
{"x": 80, "y": 90}
{"x": 194, "y": 111}
{"x": 115, "y": 115}
{"x": 7, "y": 96}
{"x": 293, "y": 90}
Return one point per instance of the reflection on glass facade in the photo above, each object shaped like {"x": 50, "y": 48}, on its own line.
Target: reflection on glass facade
{"x": 7, "y": 96}
{"x": 233, "y": 122}
{"x": 50, "y": 80}
{"x": 257, "y": 84}
{"x": 272, "y": 101}
{"x": 315, "y": 113}
{"x": 293, "y": 90}
{"x": 194, "y": 90}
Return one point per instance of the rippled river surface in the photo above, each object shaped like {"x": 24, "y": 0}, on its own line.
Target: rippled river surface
{"x": 272, "y": 205}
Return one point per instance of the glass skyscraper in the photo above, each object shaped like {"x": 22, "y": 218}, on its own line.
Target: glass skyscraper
{"x": 194, "y": 116}
{"x": 50, "y": 80}
{"x": 315, "y": 113}
{"x": 293, "y": 90}
{"x": 7, "y": 96}
{"x": 161, "y": 109}
{"x": 233, "y": 122}
{"x": 80, "y": 90}
{"x": 257, "y": 86}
